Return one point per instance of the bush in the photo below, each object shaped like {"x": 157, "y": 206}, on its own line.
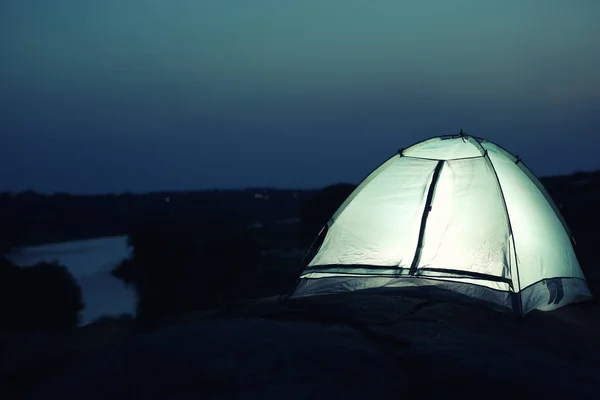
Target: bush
{"x": 43, "y": 296}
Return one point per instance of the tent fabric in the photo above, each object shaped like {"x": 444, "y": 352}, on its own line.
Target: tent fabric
{"x": 454, "y": 215}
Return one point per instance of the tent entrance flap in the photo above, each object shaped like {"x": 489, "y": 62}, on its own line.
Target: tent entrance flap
{"x": 426, "y": 211}
{"x": 467, "y": 229}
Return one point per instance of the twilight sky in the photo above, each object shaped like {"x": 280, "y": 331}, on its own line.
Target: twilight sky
{"x": 139, "y": 95}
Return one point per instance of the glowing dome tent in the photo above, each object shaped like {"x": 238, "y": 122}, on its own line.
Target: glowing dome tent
{"x": 457, "y": 216}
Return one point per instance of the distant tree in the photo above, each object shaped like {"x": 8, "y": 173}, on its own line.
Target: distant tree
{"x": 10, "y": 232}
{"x": 319, "y": 208}
{"x": 7, "y": 271}
{"x": 177, "y": 267}
{"x": 43, "y": 296}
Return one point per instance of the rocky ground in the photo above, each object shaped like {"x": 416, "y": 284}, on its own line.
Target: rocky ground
{"x": 350, "y": 346}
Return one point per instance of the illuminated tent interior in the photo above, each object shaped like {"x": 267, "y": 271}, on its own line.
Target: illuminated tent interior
{"x": 456, "y": 216}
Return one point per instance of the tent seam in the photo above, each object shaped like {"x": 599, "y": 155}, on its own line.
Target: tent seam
{"x": 510, "y": 228}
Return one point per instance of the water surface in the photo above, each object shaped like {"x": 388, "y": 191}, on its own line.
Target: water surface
{"x": 90, "y": 262}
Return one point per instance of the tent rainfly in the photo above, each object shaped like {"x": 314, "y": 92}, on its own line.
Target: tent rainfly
{"x": 456, "y": 216}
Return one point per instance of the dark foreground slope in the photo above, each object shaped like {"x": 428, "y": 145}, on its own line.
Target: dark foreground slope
{"x": 351, "y": 346}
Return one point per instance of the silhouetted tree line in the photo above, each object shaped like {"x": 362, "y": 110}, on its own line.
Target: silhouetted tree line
{"x": 31, "y": 218}
{"x": 40, "y": 297}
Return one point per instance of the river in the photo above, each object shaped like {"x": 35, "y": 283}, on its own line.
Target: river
{"x": 90, "y": 262}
